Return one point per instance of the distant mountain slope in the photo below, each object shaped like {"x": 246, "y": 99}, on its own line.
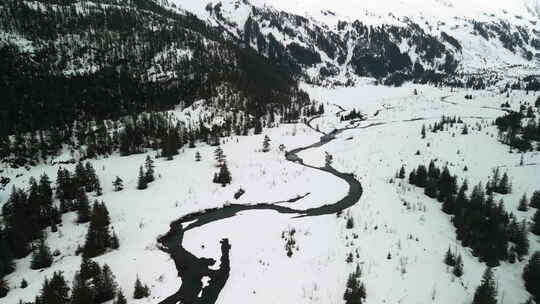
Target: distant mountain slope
{"x": 479, "y": 35}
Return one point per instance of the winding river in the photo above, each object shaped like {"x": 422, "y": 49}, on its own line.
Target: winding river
{"x": 193, "y": 269}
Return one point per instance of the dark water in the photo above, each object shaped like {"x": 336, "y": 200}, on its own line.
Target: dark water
{"x": 192, "y": 269}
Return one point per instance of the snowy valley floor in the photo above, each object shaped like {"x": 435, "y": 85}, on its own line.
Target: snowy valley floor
{"x": 416, "y": 234}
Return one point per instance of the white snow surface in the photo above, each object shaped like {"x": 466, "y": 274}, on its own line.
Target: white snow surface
{"x": 416, "y": 236}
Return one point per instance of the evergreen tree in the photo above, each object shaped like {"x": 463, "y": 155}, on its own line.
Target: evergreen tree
{"x": 421, "y": 176}
{"x": 401, "y": 172}
{"x": 118, "y": 184}
{"x": 224, "y": 176}
{"x": 24, "y": 283}
{"x": 486, "y": 293}
{"x": 83, "y": 207}
{"x": 81, "y": 292}
{"x": 54, "y": 291}
{"x": 531, "y": 276}
{"x": 4, "y": 289}
{"x": 535, "y": 200}
{"x": 266, "y": 144}
{"x": 328, "y": 159}
{"x": 142, "y": 182}
{"x": 449, "y": 258}
{"x": 105, "y": 285}
{"x": 89, "y": 269}
{"x": 141, "y": 291}
{"x": 42, "y": 257}
{"x": 98, "y": 189}
{"x": 536, "y": 223}
{"x": 120, "y": 298}
{"x": 522, "y": 241}
{"x": 412, "y": 177}
{"x": 423, "y": 131}
{"x": 219, "y": 156}
{"x": 98, "y": 237}
{"x": 523, "y": 204}
{"x": 197, "y": 156}
{"x": 458, "y": 268}
{"x": 149, "y": 166}
{"x": 115, "y": 243}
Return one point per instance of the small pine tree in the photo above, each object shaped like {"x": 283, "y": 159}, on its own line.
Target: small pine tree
{"x": 449, "y": 258}
{"x": 141, "y": 291}
{"x": 423, "y": 131}
{"x": 4, "y": 289}
{"x": 105, "y": 285}
{"x": 24, "y": 284}
{"x": 197, "y": 156}
{"x": 523, "y": 203}
{"x": 401, "y": 172}
{"x": 458, "y": 268}
{"x": 266, "y": 144}
{"x": 118, "y": 184}
{"x": 149, "y": 166}
{"x": 120, "y": 298}
{"x": 531, "y": 276}
{"x": 81, "y": 292}
{"x": 115, "y": 243}
{"x": 83, "y": 207}
{"x": 54, "y": 291}
{"x": 486, "y": 293}
{"x": 98, "y": 189}
{"x": 142, "y": 182}
{"x": 465, "y": 130}
{"x": 535, "y": 200}
{"x": 536, "y": 223}
{"x": 42, "y": 257}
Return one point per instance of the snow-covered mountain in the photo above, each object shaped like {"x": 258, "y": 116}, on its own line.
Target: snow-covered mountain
{"x": 479, "y": 35}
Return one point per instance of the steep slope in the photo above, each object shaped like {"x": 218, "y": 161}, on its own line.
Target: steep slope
{"x": 361, "y": 37}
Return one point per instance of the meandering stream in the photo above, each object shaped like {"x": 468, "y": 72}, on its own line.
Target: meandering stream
{"x": 193, "y": 269}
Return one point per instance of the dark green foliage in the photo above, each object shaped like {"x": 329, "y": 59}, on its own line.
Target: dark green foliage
{"x": 142, "y": 182}
{"x": 535, "y": 200}
{"x": 81, "y": 291}
{"x": 197, "y": 156}
{"x": 224, "y": 175}
{"x": 55, "y": 290}
{"x": 458, "y": 268}
{"x": 104, "y": 285}
{"x": 83, "y": 207}
{"x": 118, "y": 184}
{"x": 149, "y": 167}
{"x": 531, "y": 276}
{"x": 24, "y": 283}
{"x": 480, "y": 223}
{"x": 42, "y": 257}
{"x": 98, "y": 237}
{"x": 449, "y": 258}
{"x": 355, "y": 292}
{"x": 266, "y": 144}
{"x": 401, "y": 172}
{"x": 486, "y": 293}
{"x": 120, "y": 298}
{"x": 140, "y": 291}
{"x": 536, "y": 223}
{"x": 4, "y": 289}
{"x": 523, "y": 203}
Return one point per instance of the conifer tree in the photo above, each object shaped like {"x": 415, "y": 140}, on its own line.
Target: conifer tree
{"x": 105, "y": 285}
{"x": 536, "y": 223}
{"x": 328, "y": 159}
{"x": 42, "y": 257}
{"x": 486, "y": 293}
{"x": 4, "y": 289}
{"x": 266, "y": 144}
{"x": 535, "y": 200}
{"x": 458, "y": 268}
{"x": 83, "y": 207}
{"x": 449, "y": 258}
{"x": 197, "y": 156}
{"x": 523, "y": 204}
{"x": 24, "y": 283}
{"x": 54, "y": 291}
{"x": 142, "y": 182}
{"x": 81, "y": 292}
{"x": 141, "y": 291}
{"x": 118, "y": 184}
{"x": 401, "y": 172}
{"x": 149, "y": 167}
{"x": 98, "y": 189}
{"x": 412, "y": 177}
{"x": 98, "y": 237}
{"x": 531, "y": 276}
{"x": 423, "y": 131}
{"x": 88, "y": 269}
{"x": 219, "y": 156}
{"x": 120, "y": 298}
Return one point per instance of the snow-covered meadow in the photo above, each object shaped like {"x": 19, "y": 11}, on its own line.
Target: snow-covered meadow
{"x": 391, "y": 217}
